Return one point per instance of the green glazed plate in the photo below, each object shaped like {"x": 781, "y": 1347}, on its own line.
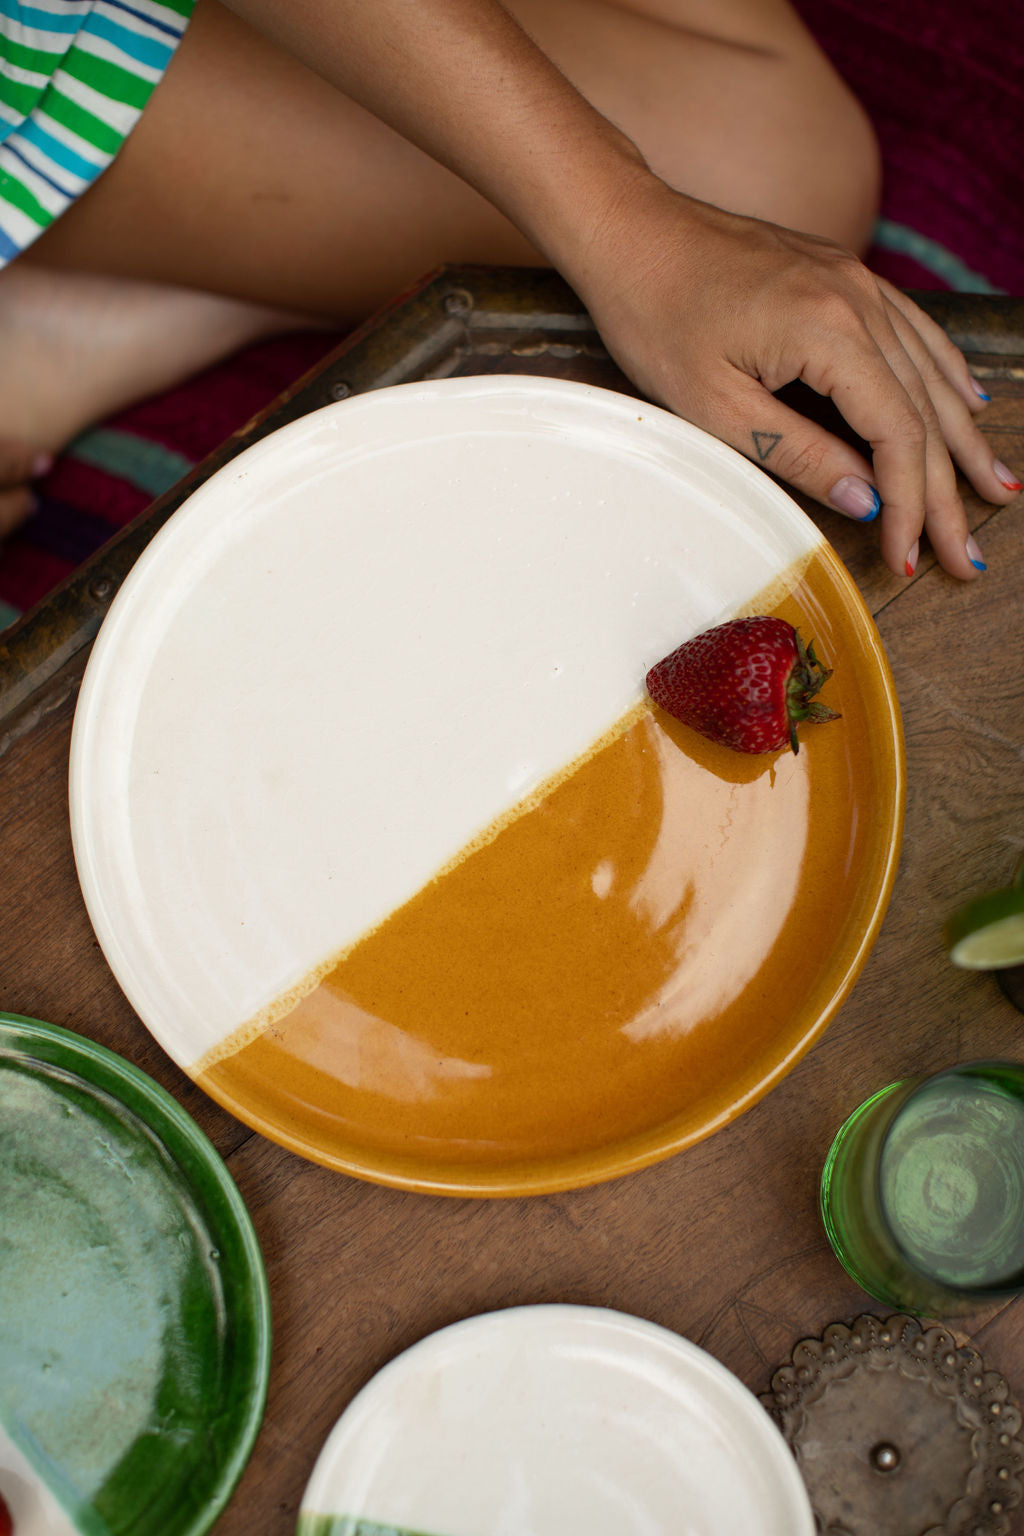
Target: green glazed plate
{"x": 134, "y": 1313}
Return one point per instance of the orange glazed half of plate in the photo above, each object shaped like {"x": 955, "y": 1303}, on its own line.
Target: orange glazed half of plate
{"x": 616, "y": 970}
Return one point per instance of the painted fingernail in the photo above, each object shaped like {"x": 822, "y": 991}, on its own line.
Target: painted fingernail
{"x": 41, "y": 465}
{"x": 974, "y": 554}
{"x": 910, "y": 565}
{"x": 856, "y": 498}
{"x": 1006, "y": 476}
{"x": 979, "y": 391}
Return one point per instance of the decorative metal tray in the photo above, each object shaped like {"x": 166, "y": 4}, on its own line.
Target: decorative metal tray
{"x": 900, "y": 1429}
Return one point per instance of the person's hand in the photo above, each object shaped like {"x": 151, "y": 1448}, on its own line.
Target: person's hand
{"x": 710, "y": 313}
{"x": 19, "y": 465}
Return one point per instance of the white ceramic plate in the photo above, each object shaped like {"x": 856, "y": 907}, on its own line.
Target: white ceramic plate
{"x": 545, "y": 1420}
{"x": 362, "y": 643}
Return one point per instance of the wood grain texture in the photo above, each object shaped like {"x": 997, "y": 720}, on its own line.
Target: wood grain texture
{"x": 722, "y": 1243}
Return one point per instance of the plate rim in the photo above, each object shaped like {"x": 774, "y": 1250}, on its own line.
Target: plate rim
{"x": 174, "y": 1129}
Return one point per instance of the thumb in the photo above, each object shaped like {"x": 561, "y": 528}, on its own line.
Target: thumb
{"x": 797, "y": 450}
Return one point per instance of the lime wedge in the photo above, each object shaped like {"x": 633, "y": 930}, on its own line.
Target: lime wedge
{"x": 988, "y": 933}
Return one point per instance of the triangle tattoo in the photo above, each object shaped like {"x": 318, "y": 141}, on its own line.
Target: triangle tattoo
{"x": 765, "y": 443}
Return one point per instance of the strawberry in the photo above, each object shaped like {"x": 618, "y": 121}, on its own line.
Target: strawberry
{"x": 745, "y": 684}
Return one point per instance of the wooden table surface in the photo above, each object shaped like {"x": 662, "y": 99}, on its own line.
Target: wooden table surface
{"x": 722, "y": 1243}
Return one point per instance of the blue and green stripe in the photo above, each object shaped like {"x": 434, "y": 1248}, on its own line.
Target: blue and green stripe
{"x": 74, "y": 80}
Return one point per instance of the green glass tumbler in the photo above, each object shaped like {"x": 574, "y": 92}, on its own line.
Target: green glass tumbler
{"x": 922, "y": 1193}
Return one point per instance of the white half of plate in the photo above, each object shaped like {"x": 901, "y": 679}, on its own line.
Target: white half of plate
{"x": 363, "y": 641}
{"x": 544, "y": 1420}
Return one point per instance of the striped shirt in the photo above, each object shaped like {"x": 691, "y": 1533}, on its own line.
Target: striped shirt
{"x": 74, "y": 78}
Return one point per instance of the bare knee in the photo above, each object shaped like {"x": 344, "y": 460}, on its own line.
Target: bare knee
{"x": 788, "y": 140}
{"x": 801, "y": 153}
{"x": 729, "y": 100}
{"x": 837, "y": 190}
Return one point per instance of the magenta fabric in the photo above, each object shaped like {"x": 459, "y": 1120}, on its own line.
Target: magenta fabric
{"x": 944, "y": 86}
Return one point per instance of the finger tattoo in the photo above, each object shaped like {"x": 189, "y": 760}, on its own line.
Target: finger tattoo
{"x": 765, "y": 443}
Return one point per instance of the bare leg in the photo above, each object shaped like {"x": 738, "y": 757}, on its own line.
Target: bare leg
{"x": 77, "y": 334}
{"x": 249, "y": 175}
{"x": 251, "y": 178}
{"x": 79, "y": 346}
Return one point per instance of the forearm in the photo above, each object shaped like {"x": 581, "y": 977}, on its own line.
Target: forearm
{"x": 462, "y": 81}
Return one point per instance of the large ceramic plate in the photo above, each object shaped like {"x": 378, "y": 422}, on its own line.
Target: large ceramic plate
{"x": 380, "y": 838}
{"x": 134, "y": 1317}
{"x": 551, "y": 1419}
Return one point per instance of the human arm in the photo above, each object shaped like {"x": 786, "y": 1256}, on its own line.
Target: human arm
{"x": 708, "y": 312}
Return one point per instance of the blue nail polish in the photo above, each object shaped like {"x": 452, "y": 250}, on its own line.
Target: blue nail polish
{"x": 982, "y": 396}
{"x": 875, "y": 508}
{"x": 979, "y": 565}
